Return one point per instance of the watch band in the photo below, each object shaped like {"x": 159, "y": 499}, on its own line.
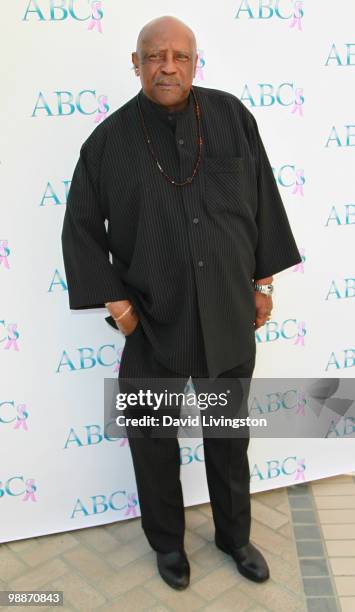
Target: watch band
{"x": 266, "y": 289}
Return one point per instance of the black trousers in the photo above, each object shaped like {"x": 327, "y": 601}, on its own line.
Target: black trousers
{"x": 156, "y": 460}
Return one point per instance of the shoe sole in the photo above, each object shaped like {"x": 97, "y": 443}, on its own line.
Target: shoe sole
{"x": 240, "y": 568}
{"x": 177, "y": 587}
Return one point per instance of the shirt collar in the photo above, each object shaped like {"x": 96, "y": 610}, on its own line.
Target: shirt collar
{"x": 168, "y": 117}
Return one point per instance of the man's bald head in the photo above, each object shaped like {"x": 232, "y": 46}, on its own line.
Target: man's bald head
{"x": 165, "y": 59}
{"x": 163, "y": 26}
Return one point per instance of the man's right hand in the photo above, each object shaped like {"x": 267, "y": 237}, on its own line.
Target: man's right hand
{"x": 128, "y": 323}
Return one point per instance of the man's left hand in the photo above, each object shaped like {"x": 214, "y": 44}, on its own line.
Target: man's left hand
{"x": 263, "y": 308}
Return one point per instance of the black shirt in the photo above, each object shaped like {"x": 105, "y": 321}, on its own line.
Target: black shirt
{"x": 185, "y": 256}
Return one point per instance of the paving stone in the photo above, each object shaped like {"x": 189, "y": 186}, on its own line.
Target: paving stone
{"x": 126, "y": 553}
{"x": 333, "y": 489}
{"x": 10, "y": 565}
{"x": 322, "y": 604}
{"x": 300, "y": 489}
{"x": 36, "y": 578}
{"x": 194, "y": 541}
{"x": 303, "y": 516}
{"x": 345, "y": 585}
{"x": 340, "y": 548}
{"x": 339, "y": 532}
{"x": 314, "y": 567}
{"x": 49, "y": 548}
{"x": 300, "y": 502}
{"x": 317, "y": 586}
{"x": 307, "y": 532}
{"x": 272, "y": 596}
{"x": 98, "y": 538}
{"x": 217, "y": 581}
{"x": 232, "y": 600}
{"x": 271, "y": 498}
{"x": 335, "y": 501}
{"x": 88, "y": 563}
{"x": 125, "y": 531}
{"x": 206, "y": 510}
{"x": 343, "y": 566}
{"x": 269, "y": 539}
{"x": 286, "y": 531}
{"x": 79, "y": 593}
{"x": 267, "y": 516}
{"x": 347, "y": 604}
{"x": 341, "y": 478}
{"x": 284, "y": 508}
{"x": 206, "y": 531}
{"x": 132, "y": 575}
{"x": 194, "y": 518}
{"x": 337, "y": 516}
{"x": 184, "y": 601}
{"x": 310, "y": 548}
{"x": 135, "y": 600}
{"x": 19, "y": 545}
{"x": 283, "y": 572}
{"x": 209, "y": 557}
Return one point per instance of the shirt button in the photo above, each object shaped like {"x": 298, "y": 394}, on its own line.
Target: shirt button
{"x": 200, "y": 263}
{"x": 181, "y": 141}
{"x": 169, "y": 117}
{"x": 195, "y": 220}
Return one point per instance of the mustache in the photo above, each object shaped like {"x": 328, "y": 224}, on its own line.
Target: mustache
{"x": 165, "y": 82}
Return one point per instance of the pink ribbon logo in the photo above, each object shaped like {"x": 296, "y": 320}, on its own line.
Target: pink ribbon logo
{"x": 22, "y": 416}
{"x": 301, "y": 401}
{"x": 102, "y": 109}
{"x": 96, "y": 17}
{"x": 298, "y": 103}
{"x": 297, "y": 15}
{"x": 200, "y": 65}
{"x": 132, "y": 505}
{"x": 30, "y": 490}
{"x": 301, "y": 332}
{"x": 300, "y": 266}
{"x": 4, "y": 253}
{"x": 298, "y": 188}
{"x": 300, "y": 469}
{"x": 119, "y": 358}
{"x": 12, "y": 337}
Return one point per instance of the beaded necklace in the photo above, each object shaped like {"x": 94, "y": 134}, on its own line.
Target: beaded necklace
{"x": 199, "y": 140}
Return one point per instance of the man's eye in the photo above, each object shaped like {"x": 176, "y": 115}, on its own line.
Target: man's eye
{"x": 183, "y": 58}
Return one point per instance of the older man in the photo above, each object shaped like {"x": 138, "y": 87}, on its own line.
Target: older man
{"x": 196, "y": 229}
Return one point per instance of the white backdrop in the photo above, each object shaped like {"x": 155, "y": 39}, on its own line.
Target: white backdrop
{"x": 292, "y": 64}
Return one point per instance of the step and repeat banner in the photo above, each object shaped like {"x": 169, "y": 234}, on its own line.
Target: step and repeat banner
{"x": 68, "y": 66}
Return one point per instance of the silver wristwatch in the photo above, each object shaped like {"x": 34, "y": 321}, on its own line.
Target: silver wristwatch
{"x": 266, "y": 289}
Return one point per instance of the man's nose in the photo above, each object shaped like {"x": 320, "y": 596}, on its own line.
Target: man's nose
{"x": 168, "y": 66}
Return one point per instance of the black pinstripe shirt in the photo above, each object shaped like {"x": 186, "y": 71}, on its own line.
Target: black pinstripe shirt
{"x": 185, "y": 256}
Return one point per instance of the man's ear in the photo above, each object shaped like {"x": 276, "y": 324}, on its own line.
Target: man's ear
{"x": 135, "y": 62}
{"x": 195, "y": 65}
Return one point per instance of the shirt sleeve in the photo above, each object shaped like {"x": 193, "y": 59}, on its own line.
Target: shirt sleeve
{"x": 276, "y": 247}
{"x": 91, "y": 278}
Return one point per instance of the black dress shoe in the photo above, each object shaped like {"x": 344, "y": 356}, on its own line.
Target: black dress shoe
{"x": 250, "y": 562}
{"x": 174, "y": 568}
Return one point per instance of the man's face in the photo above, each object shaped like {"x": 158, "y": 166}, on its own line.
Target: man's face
{"x": 167, "y": 64}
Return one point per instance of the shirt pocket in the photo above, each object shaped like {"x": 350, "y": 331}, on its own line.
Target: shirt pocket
{"x": 224, "y": 184}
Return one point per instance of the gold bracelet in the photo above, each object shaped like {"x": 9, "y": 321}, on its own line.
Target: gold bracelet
{"x": 123, "y": 314}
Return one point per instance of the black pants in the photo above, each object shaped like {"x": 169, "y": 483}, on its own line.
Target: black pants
{"x": 156, "y": 460}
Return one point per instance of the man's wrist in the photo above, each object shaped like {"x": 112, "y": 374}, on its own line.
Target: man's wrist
{"x": 264, "y": 281}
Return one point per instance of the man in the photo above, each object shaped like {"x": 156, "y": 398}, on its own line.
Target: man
{"x": 196, "y": 229}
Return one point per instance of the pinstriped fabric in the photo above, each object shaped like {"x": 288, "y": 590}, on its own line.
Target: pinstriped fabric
{"x": 185, "y": 256}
